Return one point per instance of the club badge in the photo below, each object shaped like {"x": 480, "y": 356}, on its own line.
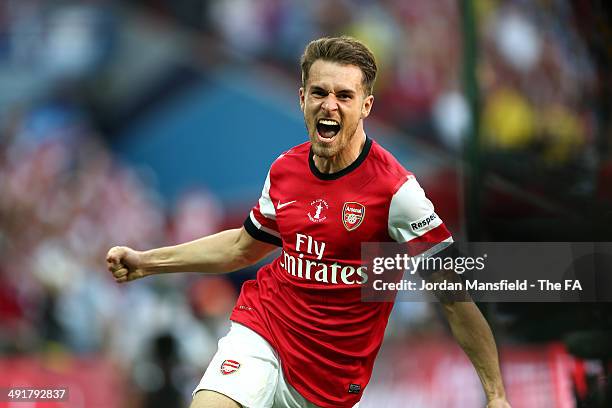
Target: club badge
{"x": 229, "y": 367}
{"x": 353, "y": 214}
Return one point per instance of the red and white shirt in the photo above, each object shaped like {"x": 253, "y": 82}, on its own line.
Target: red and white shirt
{"x": 307, "y": 302}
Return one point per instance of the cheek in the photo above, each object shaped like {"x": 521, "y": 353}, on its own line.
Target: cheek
{"x": 310, "y": 107}
{"x": 355, "y": 114}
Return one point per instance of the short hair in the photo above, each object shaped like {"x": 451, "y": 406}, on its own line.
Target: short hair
{"x": 343, "y": 50}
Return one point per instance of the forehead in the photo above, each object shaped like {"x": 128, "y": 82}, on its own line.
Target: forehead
{"x": 334, "y": 76}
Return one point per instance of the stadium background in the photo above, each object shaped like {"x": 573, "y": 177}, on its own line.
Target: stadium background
{"x": 151, "y": 122}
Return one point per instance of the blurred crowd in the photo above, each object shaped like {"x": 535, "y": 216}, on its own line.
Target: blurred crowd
{"x": 65, "y": 201}
{"x": 67, "y": 197}
{"x": 418, "y": 45}
{"x": 539, "y": 85}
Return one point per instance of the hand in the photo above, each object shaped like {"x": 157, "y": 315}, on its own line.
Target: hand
{"x": 124, "y": 264}
{"x": 498, "y": 403}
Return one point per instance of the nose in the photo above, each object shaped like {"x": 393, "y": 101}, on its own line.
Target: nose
{"x": 330, "y": 103}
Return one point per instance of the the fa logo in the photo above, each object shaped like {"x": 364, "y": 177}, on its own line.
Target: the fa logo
{"x": 352, "y": 215}
{"x": 317, "y": 214}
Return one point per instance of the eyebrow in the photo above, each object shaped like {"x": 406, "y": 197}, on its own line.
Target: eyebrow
{"x": 342, "y": 91}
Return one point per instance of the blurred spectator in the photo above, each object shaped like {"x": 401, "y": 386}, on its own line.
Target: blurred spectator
{"x": 508, "y": 120}
{"x": 159, "y": 378}
{"x": 198, "y": 213}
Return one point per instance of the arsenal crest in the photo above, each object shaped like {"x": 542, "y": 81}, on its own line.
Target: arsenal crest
{"x": 229, "y": 367}
{"x": 353, "y": 214}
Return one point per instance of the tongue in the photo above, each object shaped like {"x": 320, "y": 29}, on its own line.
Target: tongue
{"x": 326, "y": 131}
{"x": 327, "y": 134}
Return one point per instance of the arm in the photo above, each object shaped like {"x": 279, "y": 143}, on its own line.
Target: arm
{"x": 474, "y": 335}
{"x": 408, "y": 206}
{"x": 226, "y": 251}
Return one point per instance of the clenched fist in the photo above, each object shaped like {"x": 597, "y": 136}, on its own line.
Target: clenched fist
{"x": 124, "y": 264}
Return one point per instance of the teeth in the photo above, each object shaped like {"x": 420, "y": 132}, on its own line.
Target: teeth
{"x": 328, "y": 122}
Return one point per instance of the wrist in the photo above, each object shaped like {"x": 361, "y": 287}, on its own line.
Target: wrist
{"x": 499, "y": 402}
{"x": 496, "y": 395}
{"x": 494, "y": 390}
{"x": 146, "y": 261}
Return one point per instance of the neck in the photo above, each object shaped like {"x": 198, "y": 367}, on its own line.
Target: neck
{"x": 344, "y": 158}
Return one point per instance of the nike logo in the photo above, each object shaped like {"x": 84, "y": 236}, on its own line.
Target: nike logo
{"x": 279, "y": 205}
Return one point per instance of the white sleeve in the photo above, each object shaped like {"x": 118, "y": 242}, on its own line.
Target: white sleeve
{"x": 261, "y": 222}
{"x": 412, "y": 218}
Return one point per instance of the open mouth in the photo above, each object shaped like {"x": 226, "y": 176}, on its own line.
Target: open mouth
{"x": 328, "y": 128}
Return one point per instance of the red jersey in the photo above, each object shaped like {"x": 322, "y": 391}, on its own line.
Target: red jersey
{"x": 307, "y": 302}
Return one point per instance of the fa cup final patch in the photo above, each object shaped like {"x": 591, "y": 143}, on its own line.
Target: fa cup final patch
{"x": 353, "y": 214}
{"x": 317, "y": 213}
{"x": 229, "y": 367}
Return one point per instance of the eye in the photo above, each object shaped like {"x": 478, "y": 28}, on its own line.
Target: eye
{"x": 344, "y": 97}
{"x": 318, "y": 92}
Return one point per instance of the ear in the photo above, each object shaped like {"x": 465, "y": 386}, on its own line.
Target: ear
{"x": 367, "y": 106}
{"x": 302, "y": 99}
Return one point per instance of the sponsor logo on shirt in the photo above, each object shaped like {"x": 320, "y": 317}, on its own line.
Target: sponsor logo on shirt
{"x": 229, "y": 367}
{"x": 353, "y": 214}
{"x": 317, "y": 213}
{"x": 307, "y": 262}
{"x": 419, "y": 225}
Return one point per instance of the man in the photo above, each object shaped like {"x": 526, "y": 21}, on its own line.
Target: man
{"x": 301, "y": 336}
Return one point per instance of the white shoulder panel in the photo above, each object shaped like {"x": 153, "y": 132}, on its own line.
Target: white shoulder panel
{"x": 266, "y": 206}
{"x": 411, "y": 214}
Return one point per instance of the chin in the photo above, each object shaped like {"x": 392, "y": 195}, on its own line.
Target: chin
{"x": 323, "y": 151}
